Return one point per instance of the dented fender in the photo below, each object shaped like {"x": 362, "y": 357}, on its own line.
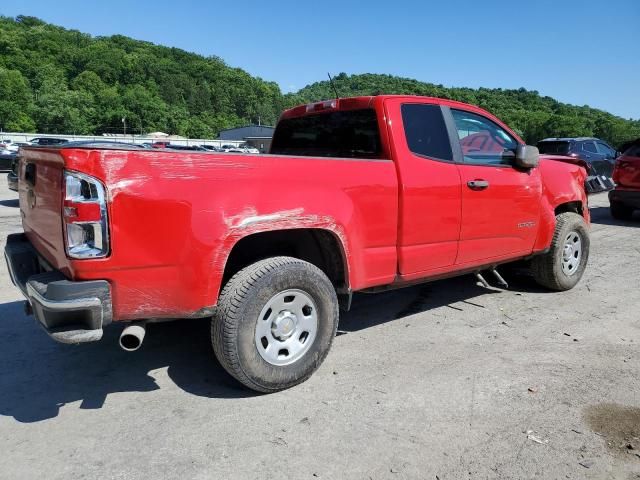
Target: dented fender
{"x": 562, "y": 183}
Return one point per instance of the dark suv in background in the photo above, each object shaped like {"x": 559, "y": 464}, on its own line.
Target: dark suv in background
{"x": 12, "y": 177}
{"x": 47, "y": 141}
{"x": 599, "y": 156}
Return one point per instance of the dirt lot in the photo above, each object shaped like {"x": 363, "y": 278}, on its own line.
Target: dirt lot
{"x": 447, "y": 380}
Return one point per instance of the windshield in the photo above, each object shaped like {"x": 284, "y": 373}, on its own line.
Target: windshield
{"x": 554, "y": 148}
{"x": 349, "y": 134}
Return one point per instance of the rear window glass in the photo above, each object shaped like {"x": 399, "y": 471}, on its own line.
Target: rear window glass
{"x": 554, "y": 148}
{"x": 633, "y": 151}
{"x": 426, "y": 132}
{"x": 348, "y": 134}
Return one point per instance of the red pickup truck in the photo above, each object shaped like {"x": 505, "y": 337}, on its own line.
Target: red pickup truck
{"x": 358, "y": 194}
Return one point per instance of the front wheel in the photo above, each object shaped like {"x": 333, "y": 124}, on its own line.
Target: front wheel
{"x": 562, "y": 267}
{"x": 275, "y": 322}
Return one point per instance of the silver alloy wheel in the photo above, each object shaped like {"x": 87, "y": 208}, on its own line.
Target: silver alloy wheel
{"x": 571, "y": 253}
{"x": 286, "y": 327}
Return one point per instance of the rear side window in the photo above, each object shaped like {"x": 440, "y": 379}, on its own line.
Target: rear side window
{"x": 554, "y": 148}
{"x": 426, "y": 131}
{"x": 347, "y": 134}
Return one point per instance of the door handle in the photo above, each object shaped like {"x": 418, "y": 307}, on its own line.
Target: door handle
{"x": 478, "y": 184}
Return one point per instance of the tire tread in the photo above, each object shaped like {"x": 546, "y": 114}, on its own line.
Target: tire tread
{"x": 543, "y": 266}
{"x": 226, "y": 319}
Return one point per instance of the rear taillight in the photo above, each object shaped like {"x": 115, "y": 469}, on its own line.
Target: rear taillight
{"x": 84, "y": 211}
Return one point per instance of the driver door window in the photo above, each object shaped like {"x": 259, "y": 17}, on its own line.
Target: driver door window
{"x": 605, "y": 150}
{"x": 483, "y": 142}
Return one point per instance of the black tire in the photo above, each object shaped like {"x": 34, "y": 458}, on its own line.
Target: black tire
{"x": 620, "y": 211}
{"x": 547, "y": 268}
{"x": 233, "y": 326}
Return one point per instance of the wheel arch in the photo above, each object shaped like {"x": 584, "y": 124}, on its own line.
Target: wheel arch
{"x": 575, "y": 206}
{"x": 321, "y": 247}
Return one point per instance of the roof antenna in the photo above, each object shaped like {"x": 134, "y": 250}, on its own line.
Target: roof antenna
{"x": 333, "y": 85}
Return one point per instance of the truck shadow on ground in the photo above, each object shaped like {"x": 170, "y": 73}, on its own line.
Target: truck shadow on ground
{"x": 39, "y": 376}
{"x": 602, "y": 216}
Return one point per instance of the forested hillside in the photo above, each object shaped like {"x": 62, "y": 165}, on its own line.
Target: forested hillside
{"x": 531, "y": 115}
{"x": 64, "y": 81}
{"x": 54, "y": 80}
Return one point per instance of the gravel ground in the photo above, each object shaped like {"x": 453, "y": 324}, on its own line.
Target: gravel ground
{"x": 447, "y": 380}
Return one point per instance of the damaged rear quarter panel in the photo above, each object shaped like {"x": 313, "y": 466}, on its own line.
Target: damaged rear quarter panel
{"x": 174, "y": 218}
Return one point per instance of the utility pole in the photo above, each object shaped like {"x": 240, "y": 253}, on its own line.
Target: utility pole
{"x": 124, "y": 126}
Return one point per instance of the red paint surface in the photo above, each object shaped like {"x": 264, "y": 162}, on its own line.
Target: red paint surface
{"x": 626, "y": 172}
{"x": 175, "y": 216}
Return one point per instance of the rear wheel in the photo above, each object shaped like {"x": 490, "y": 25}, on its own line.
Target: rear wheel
{"x": 275, "y": 322}
{"x": 562, "y": 267}
{"x": 620, "y": 211}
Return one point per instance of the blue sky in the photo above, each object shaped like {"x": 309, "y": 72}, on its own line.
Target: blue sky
{"x": 580, "y": 52}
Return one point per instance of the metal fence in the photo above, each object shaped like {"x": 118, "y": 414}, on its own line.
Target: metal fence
{"x": 136, "y": 139}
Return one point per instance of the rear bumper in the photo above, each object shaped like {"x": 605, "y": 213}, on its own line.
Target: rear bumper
{"x": 70, "y": 312}
{"x": 12, "y": 181}
{"x": 630, "y": 198}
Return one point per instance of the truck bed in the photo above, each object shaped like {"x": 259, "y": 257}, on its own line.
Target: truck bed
{"x": 191, "y": 207}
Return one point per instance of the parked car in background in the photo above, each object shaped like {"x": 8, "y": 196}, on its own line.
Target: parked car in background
{"x": 47, "y": 141}
{"x": 160, "y": 144}
{"x": 10, "y": 145}
{"x": 6, "y": 158}
{"x": 211, "y": 148}
{"x": 228, "y": 148}
{"x": 12, "y": 177}
{"x": 597, "y": 154}
{"x": 192, "y": 148}
{"x": 246, "y": 148}
{"x": 626, "y": 173}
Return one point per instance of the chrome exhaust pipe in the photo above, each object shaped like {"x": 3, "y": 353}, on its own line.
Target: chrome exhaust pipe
{"x": 132, "y": 337}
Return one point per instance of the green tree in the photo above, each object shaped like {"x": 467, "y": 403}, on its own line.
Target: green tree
{"x": 17, "y": 103}
{"x": 64, "y": 81}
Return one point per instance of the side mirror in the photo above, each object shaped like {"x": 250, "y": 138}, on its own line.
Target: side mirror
{"x": 527, "y": 156}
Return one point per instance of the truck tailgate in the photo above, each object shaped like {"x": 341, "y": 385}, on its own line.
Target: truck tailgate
{"x": 627, "y": 172}
{"x": 40, "y": 193}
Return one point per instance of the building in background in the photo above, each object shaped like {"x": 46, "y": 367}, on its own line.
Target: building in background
{"x": 258, "y": 136}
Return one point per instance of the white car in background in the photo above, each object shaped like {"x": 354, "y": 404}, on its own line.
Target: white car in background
{"x": 9, "y": 146}
{"x": 246, "y": 148}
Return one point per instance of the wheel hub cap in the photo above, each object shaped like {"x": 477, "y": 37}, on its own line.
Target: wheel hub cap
{"x": 571, "y": 253}
{"x": 568, "y": 251}
{"x": 286, "y": 327}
